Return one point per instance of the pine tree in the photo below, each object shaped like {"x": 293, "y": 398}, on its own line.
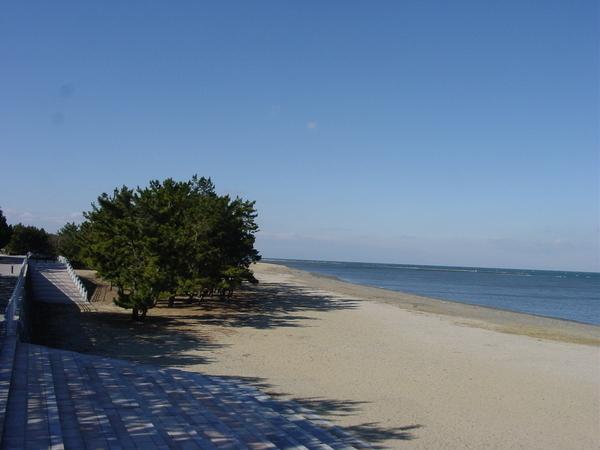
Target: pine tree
{"x": 170, "y": 238}
{"x": 5, "y": 231}
{"x": 27, "y": 238}
{"x": 69, "y": 243}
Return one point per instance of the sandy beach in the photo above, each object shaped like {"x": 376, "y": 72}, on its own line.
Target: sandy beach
{"x": 399, "y": 370}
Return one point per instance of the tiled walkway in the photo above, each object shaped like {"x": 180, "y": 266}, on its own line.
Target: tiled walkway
{"x": 59, "y": 399}
{"x": 55, "y": 399}
{"x": 7, "y": 284}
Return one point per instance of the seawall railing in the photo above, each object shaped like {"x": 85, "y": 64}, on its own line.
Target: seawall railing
{"x": 80, "y": 287}
{"x": 15, "y": 303}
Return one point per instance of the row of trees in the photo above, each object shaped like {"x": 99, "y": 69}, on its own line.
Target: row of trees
{"x": 168, "y": 239}
{"x": 171, "y": 238}
{"x": 19, "y": 239}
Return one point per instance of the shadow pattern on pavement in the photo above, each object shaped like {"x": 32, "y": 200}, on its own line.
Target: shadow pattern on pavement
{"x": 164, "y": 339}
{"x": 329, "y": 409}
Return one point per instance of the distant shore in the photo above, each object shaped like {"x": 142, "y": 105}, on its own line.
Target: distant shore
{"x": 480, "y": 316}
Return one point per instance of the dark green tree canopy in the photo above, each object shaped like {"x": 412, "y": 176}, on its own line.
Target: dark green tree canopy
{"x": 169, "y": 238}
{"x": 27, "y": 238}
{"x": 5, "y": 231}
{"x": 69, "y": 243}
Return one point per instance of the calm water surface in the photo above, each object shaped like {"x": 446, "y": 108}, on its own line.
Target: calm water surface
{"x": 563, "y": 295}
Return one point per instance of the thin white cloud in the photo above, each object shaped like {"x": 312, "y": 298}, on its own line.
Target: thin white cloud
{"x": 311, "y": 125}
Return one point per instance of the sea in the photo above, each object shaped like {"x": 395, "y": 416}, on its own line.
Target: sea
{"x": 573, "y": 296}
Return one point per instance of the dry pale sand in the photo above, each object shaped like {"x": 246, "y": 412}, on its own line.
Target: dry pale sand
{"x": 401, "y": 371}
{"x": 423, "y": 380}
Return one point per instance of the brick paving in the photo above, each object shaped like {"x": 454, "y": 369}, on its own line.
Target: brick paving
{"x": 56, "y": 399}
{"x": 7, "y": 284}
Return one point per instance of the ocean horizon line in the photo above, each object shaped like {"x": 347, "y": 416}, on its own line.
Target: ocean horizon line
{"x": 440, "y": 266}
{"x": 566, "y": 295}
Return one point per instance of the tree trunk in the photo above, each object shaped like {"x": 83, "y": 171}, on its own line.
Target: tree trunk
{"x": 171, "y": 301}
{"x": 139, "y": 314}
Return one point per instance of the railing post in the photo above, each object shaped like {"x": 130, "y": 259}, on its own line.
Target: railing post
{"x": 16, "y": 298}
{"x": 74, "y": 277}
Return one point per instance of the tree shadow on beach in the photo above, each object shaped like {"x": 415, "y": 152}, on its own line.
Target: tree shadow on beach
{"x": 330, "y": 409}
{"x": 265, "y": 306}
{"x": 374, "y": 433}
{"x": 161, "y": 341}
{"x": 176, "y": 337}
{"x": 170, "y": 334}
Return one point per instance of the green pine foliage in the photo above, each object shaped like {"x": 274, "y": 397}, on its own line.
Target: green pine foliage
{"x": 5, "y": 231}
{"x": 169, "y": 238}
{"x": 27, "y": 238}
{"x": 69, "y": 244}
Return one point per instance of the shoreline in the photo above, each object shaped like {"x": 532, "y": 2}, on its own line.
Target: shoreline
{"x": 398, "y": 377}
{"x": 334, "y": 278}
{"x": 487, "y": 317}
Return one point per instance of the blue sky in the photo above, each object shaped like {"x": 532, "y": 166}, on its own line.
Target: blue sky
{"x": 453, "y": 133}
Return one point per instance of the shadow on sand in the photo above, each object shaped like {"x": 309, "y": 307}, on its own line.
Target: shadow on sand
{"x": 330, "y": 409}
{"x": 263, "y": 307}
{"x": 165, "y": 340}
{"x": 160, "y": 341}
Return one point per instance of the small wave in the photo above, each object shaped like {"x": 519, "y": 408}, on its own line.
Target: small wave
{"x": 513, "y": 274}
{"x": 434, "y": 269}
{"x": 326, "y": 276}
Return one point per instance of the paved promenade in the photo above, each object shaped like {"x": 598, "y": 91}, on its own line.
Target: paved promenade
{"x": 61, "y": 399}
{"x": 55, "y": 399}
